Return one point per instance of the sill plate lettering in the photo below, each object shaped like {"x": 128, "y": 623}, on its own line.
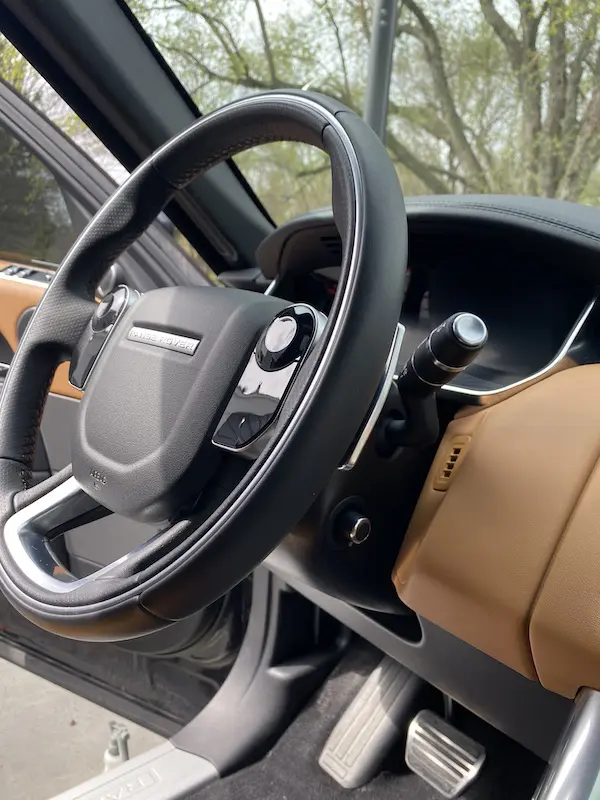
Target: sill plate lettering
{"x": 168, "y": 341}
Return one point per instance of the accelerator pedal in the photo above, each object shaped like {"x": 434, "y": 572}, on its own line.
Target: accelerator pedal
{"x": 371, "y": 724}
{"x": 442, "y": 756}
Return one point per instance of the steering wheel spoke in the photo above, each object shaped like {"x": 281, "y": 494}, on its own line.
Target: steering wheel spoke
{"x": 29, "y": 532}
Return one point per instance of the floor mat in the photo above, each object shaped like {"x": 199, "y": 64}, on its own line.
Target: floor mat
{"x": 291, "y": 772}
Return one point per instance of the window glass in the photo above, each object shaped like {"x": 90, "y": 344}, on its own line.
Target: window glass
{"x": 16, "y": 71}
{"x": 500, "y": 96}
{"x": 34, "y": 220}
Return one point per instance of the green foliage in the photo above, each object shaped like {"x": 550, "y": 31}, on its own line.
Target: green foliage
{"x": 486, "y": 96}
{"x": 34, "y": 222}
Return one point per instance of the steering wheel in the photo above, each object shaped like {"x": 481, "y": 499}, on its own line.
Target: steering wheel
{"x": 218, "y": 413}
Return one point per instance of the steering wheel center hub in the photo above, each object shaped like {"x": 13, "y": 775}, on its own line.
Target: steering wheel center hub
{"x": 142, "y": 445}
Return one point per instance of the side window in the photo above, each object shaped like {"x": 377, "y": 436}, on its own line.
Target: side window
{"x": 54, "y": 231}
{"x": 35, "y": 224}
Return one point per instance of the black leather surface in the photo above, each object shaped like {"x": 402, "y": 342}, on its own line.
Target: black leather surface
{"x": 558, "y": 219}
{"x": 146, "y": 415}
{"x": 190, "y": 565}
{"x": 573, "y": 228}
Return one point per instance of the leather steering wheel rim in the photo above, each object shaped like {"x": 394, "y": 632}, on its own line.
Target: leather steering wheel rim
{"x": 195, "y": 561}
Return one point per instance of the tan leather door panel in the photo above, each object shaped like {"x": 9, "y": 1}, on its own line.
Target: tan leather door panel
{"x": 16, "y": 296}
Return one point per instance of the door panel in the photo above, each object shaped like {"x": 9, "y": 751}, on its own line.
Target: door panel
{"x": 16, "y": 296}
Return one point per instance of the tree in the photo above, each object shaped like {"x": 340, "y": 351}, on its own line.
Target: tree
{"x": 486, "y": 96}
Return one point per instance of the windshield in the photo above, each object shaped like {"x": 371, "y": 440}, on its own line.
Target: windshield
{"x": 486, "y": 96}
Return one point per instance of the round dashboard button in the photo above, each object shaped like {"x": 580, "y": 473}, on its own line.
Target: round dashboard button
{"x": 280, "y": 334}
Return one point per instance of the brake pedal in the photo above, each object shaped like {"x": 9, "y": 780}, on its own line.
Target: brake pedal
{"x": 370, "y": 725}
{"x": 442, "y": 756}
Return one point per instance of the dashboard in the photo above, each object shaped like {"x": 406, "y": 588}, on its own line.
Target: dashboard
{"x": 530, "y": 268}
{"x": 530, "y": 290}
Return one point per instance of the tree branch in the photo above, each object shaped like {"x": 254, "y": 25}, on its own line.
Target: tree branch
{"x": 416, "y": 166}
{"x": 453, "y": 176}
{"x": 575, "y": 74}
{"x": 266, "y": 41}
{"x": 504, "y": 32}
{"x": 235, "y": 80}
{"x": 556, "y": 103}
{"x": 227, "y": 40}
{"x": 324, "y": 6}
{"x": 435, "y": 59}
{"x": 422, "y": 117}
{"x": 360, "y": 7}
{"x": 307, "y": 173}
{"x": 586, "y": 151}
{"x": 524, "y": 61}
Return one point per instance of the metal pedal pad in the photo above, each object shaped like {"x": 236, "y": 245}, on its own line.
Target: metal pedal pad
{"x": 442, "y": 756}
{"x": 371, "y": 724}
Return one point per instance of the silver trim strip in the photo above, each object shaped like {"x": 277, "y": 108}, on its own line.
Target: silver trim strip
{"x": 163, "y": 773}
{"x": 438, "y": 363}
{"x": 25, "y": 537}
{"x": 574, "y": 769}
{"x": 381, "y": 396}
{"x": 562, "y": 360}
{"x": 163, "y": 339}
{"x": 435, "y": 386}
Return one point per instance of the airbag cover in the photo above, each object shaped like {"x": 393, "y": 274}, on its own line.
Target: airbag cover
{"x": 153, "y": 400}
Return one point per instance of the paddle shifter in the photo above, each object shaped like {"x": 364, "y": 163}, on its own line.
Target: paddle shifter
{"x": 446, "y": 352}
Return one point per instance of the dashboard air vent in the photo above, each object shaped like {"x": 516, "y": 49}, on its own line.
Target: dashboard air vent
{"x": 333, "y": 244}
{"x": 451, "y": 463}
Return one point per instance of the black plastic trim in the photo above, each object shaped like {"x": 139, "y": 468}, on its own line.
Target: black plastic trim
{"x": 289, "y": 649}
{"x": 520, "y": 708}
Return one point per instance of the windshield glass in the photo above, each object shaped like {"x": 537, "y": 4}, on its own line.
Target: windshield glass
{"x": 492, "y": 96}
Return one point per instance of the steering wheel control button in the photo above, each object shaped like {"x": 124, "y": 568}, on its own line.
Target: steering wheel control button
{"x": 101, "y": 312}
{"x": 106, "y": 315}
{"x": 287, "y": 338}
{"x": 266, "y": 379}
{"x": 280, "y": 334}
{"x": 109, "y": 309}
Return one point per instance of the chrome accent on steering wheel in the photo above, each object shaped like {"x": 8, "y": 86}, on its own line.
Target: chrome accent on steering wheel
{"x": 28, "y": 533}
{"x": 378, "y": 402}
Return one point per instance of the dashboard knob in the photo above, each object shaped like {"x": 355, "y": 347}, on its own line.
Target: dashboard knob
{"x": 352, "y": 527}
